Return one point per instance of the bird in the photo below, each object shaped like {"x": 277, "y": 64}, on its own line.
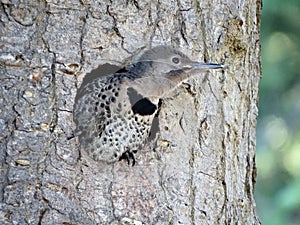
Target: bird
{"x": 114, "y": 113}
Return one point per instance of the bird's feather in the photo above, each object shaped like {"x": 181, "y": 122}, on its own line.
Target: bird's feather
{"x": 114, "y": 113}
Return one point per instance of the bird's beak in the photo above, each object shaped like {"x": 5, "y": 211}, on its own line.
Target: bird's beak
{"x": 202, "y": 66}
{"x": 205, "y": 66}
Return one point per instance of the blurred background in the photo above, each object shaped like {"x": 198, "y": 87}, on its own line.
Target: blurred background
{"x": 278, "y": 129}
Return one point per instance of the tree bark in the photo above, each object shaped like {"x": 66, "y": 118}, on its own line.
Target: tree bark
{"x": 202, "y": 170}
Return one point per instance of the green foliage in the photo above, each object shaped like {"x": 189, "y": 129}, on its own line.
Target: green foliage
{"x": 278, "y": 129}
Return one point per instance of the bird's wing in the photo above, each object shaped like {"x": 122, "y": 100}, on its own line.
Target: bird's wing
{"x": 89, "y": 116}
{"x": 95, "y": 105}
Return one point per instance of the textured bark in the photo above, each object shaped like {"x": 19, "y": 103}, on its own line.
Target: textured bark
{"x": 203, "y": 168}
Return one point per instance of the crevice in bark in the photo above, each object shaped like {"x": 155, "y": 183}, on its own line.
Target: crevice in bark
{"x": 192, "y": 186}
{"x": 82, "y": 37}
{"x": 54, "y": 109}
{"x": 247, "y": 188}
{"x": 115, "y": 27}
{"x": 111, "y": 198}
{"x": 182, "y": 26}
{"x": 135, "y": 3}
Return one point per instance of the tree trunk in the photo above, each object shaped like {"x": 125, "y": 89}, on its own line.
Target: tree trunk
{"x": 202, "y": 170}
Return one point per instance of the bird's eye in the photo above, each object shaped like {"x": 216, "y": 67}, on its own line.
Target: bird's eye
{"x": 175, "y": 60}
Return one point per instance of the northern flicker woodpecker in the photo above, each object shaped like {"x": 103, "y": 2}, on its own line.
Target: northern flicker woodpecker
{"x": 114, "y": 113}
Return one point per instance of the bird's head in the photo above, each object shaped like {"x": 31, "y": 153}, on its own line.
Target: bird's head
{"x": 162, "y": 68}
{"x": 173, "y": 64}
